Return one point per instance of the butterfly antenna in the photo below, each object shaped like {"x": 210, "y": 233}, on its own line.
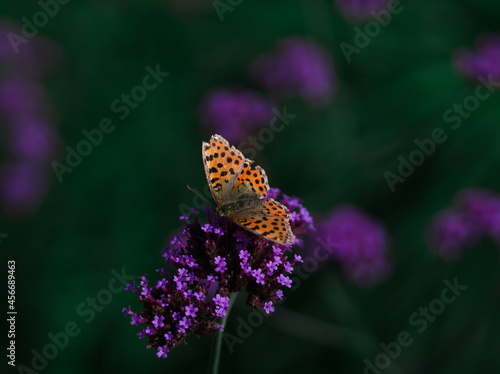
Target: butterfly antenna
{"x": 200, "y": 195}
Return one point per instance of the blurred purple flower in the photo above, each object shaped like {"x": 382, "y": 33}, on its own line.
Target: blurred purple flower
{"x": 21, "y": 97}
{"x": 476, "y": 213}
{"x": 235, "y": 113}
{"x": 481, "y": 62}
{"x": 35, "y": 58}
{"x": 22, "y": 186}
{"x": 208, "y": 263}
{"x": 298, "y": 67}
{"x": 361, "y": 244}
{"x": 360, "y": 10}
{"x": 483, "y": 208}
{"x": 33, "y": 140}
{"x": 450, "y": 233}
{"x": 30, "y": 141}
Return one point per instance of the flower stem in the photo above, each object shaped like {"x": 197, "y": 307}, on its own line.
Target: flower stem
{"x": 213, "y": 366}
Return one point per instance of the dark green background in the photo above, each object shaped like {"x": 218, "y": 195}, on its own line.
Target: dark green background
{"x": 118, "y": 208}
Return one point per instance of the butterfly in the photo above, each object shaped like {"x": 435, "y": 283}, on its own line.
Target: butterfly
{"x": 240, "y": 192}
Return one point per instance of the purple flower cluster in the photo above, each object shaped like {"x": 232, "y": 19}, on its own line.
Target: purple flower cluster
{"x": 360, "y": 10}
{"x": 30, "y": 139}
{"x": 297, "y": 67}
{"x": 482, "y": 62}
{"x": 235, "y": 112}
{"x": 207, "y": 264}
{"x": 476, "y": 213}
{"x": 361, "y": 244}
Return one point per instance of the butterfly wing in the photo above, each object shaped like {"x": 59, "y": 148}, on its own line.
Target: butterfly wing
{"x": 223, "y": 164}
{"x": 267, "y": 218}
{"x": 250, "y": 182}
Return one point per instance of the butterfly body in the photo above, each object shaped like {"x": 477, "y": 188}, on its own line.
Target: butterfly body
{"x": 239, "y": 206}
{"x": 240, "y": 192}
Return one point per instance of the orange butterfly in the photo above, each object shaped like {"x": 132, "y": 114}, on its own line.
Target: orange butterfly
{"x": 240, "y": 192}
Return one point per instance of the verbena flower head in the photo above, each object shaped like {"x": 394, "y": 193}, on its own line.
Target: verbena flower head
{"x": 361, "y": 244}
{"x": 360, "y": 10}
{"x": 475, "y": 214}
{"x": 297, "y": 67}
{"x": 235, "y": 113}
{"x": 206, "y": 264}
{"x": 481, "y": 62}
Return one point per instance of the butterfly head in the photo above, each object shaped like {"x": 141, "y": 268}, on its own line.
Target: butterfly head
{"x": 220, "y": 211}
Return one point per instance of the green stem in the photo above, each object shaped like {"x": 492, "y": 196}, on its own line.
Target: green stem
{"x": 213, "y": 367}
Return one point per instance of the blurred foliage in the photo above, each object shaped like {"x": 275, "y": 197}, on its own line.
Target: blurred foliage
{"x": 118, "y": 207}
